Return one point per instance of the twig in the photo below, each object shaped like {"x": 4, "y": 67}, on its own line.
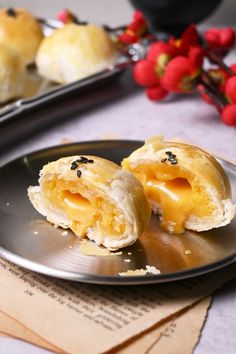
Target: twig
{"x": 216, "y": 59}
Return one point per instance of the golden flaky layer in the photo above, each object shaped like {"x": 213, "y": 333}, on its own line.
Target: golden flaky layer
{"x": 20, "y": 31}
{"x": 93, "y": 197}
{"x": 12, "y": 74}
{"x": 184, "y": 184}
{"x": 74, "y": 52}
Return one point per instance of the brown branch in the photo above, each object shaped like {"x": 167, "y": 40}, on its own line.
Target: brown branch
{"x": 216, "y": 59}
{"x": 210, "y": 85}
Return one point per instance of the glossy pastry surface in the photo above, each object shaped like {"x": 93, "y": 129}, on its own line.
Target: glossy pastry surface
{"x": 74, "y": 52}
{"x": 93, "y": 197}
{"x": 20, "y": 31}
{"x": 185, "y": 185}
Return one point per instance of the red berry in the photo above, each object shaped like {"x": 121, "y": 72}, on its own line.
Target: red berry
{"x": 230, "y": 89}
{"x": 63, "y": 15}
{"x": 195, "y": 57}
{"x": 212, "y": 37}
{"x": 229, "y": 115}
{"x": 138, "y": 16}
{"x": 156, "y": 93}
{"x": 128, "y": 38}
{"x": 159, "y": 48}
{"x": 177, "y": 77}
{"x": 190, "y": 38}
{"x": 220, "y": 38}
{"x": 227, "y": 37}
{"x": 144, "y": 73}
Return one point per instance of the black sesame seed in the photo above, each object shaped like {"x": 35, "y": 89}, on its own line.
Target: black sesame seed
{"x": 73, "y": 167}
{"x": 164, "y": 160}
{"x": 168, "y": 153}
{"x": 83, "y": 158}
{"x": 90, "y": 161}
{"x": 11, "y": 12}
{"x": 174, "y": 162}
{"x": 79, "y": 173}
{"x": 171, "y": 158}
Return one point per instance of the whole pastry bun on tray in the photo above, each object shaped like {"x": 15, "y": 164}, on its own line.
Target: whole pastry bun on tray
{"x": 185, "y": 185}
{"x": 74, "y": 52}
{"x": 20, "y": 31}
{"x": 93, "y": 197}
{"x": 12, "y": 74}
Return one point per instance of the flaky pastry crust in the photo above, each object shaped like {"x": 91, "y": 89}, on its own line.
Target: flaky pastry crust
{"x": 111, "y": 192}
{"x": 202, "y": 173}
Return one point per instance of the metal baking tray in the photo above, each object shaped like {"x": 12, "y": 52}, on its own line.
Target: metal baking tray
{"x": 44, "y": 101}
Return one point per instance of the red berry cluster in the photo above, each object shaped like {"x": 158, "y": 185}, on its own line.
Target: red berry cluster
{"x": 176, "y": 66}
{"x": 172, "y": 66}
{"x": 220, "y": 82}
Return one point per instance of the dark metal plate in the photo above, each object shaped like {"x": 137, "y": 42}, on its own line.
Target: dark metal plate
{"x": 29, "y": 241}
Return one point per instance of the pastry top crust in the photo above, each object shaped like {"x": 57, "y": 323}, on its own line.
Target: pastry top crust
{"x": 74, "y": 52}
{"x": 191, "y": 158}
{"x": 20, "y": 31}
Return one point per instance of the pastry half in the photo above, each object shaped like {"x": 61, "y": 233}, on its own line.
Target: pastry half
{"x": 74, "y": 52}
{"x": 185, "y": 185}
{"x": 93, "y": 197}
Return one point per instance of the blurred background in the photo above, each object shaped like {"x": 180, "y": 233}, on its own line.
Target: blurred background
{"x": 110, "y": 11}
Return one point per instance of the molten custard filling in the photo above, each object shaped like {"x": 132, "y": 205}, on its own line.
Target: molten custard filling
{"x": 84, "y": 213}
{"x": 176, "y": 194}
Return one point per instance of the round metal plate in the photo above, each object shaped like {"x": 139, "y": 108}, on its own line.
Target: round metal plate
{"x": 31, "y": 242}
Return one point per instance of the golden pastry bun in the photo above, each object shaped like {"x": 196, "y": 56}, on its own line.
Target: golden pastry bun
{"x": 74, "y": 52}
{"x": 20, "y": 31}
{"x": 12, "y": 74}
{"x": 93, "y": 197}
{"x": 185, "y": 185}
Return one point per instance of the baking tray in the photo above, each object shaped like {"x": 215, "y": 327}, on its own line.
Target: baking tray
{"x": 52, "y": 102}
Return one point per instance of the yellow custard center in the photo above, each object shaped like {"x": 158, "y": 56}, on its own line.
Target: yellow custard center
{"x": 174, "y": 197}
{"x": 86, "y": 213}
{"x": 175, "y": 194}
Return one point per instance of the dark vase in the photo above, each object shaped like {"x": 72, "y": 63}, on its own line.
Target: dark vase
{"x": 173, "y": 16}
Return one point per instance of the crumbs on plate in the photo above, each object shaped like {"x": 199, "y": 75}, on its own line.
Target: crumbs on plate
{"x": 149, "y": 270}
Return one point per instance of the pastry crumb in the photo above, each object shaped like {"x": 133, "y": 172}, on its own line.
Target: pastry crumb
{"x": 187, "y": 252}
{"x": 149, "y": 270}
{"x": 133, "y": 272}
{"x": 152, "y": 269}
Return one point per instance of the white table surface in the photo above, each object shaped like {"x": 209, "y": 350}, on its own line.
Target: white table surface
{"x": 127, "y": 114}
